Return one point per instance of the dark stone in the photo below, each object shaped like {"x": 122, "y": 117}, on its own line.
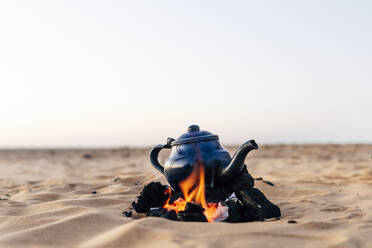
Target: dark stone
{"x": 162, "y": 212}
{"x": 191, "y": 216}
{"x": 256, "y": 203}
{"x": 87, "y": 156}
{"x": 216, "y": 195}
{"x": 251, "y": 210}
{"x": 251, "y": 213}
{"x": 171, "y": 215}
{"x": 244, "y": 182}
{"x": 94, "y": 192}
{"x": 292, "y": 222}
{"x": 152, "y": 196}
{"x": 128, "y": 213}
{"x": 235, "y": 210}
{"x": 268, "y": 182}
{"x": 156, "y": 212}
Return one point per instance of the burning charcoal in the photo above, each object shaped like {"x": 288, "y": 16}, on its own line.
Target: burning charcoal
{"x": 192, "y": 212}
{"x": 175, "y": 196}
{"x": 268, "y": 182}
{"x": 190, "y": 207}
{"x": 152, "y": 196}
{"x": 171, "y": 215}
{"x": 156, "y": 212}
{"x": 256, "y": 202}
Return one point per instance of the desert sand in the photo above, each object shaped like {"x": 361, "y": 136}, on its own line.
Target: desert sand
{"x": 75, "y": 198}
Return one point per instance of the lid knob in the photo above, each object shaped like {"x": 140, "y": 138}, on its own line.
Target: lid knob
{"x": 193, "y": 128}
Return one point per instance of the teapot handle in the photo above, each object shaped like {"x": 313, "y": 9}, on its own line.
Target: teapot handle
{"x": 155, "y": 153}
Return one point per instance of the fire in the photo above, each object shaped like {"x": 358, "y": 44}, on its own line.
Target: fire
{"x": 193, "y": 189}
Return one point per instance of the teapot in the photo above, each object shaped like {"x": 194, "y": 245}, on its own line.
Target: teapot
{"x": 197, "y": 146}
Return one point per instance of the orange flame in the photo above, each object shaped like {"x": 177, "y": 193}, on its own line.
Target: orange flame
{"x": 193, "y": 189}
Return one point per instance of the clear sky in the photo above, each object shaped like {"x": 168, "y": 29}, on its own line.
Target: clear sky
{"x": 110, "y": 73}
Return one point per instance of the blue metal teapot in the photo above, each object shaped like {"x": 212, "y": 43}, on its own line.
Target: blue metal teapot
{"x": 197, "y": 146}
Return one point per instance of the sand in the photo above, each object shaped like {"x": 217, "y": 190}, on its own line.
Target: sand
{"x": 48, "y": 200}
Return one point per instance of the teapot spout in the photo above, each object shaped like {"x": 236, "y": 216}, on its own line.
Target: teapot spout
{"x": 237, "y": 162}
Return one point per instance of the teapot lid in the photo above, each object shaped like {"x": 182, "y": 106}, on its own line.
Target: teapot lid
{"x": 194, "y": 135}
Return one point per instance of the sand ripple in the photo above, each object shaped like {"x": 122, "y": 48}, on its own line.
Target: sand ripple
{"x": 63, "y": 198}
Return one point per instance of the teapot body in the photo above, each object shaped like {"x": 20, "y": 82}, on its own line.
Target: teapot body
{"x": 184, "y": 157}
{"x": 200, "y": 148}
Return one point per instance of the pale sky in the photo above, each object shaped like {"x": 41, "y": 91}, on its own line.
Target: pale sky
{"x": 116, "y": 73}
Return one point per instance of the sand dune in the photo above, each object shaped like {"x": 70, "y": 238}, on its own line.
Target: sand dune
{"x": 75, "y": 198}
